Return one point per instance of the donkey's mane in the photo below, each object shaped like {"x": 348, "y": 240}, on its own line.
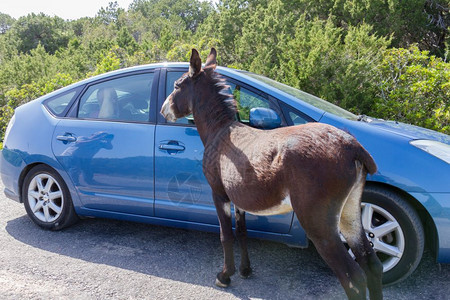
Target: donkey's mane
{"x": 223, "y": 107}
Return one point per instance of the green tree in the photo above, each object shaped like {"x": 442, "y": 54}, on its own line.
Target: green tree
{"x": 263, "y": 35}
{"x": 226, "y": 25}
{"x": 331, "y": 63}
{"x": 30, "y": 31}
{"x": 27, "y": 92}
{"x": 109, "y": 62}
{"x": 76, "y": 59}
{"x": 110, "y": 14}
{"x": 190, "y": 13}
{"x": 26, "y": 68}
{"x": 6, "y": 21}
{"x": 33, "y": 90}
{"x": 125, "y": 40}
{"x": 6, "y": 114}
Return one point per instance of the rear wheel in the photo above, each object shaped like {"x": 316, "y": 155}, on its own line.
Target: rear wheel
{"x": 47, "y": 199}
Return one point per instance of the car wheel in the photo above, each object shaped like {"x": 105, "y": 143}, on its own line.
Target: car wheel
{"x": 47, "y": 199}
{"x": 394, "y": 230}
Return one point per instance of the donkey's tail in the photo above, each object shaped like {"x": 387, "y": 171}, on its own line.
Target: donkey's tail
{"x": 366, "y": 159}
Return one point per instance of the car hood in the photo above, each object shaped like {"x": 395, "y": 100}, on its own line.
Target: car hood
{"x": 410, "y": 131}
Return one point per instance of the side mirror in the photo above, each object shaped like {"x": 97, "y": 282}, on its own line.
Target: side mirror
{"x": 264, "y": 118}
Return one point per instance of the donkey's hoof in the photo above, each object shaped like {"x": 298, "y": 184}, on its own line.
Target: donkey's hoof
{"x": 245, "y": 273}
{"x": 222, "y": 282}
{"x": 222, "y": 285}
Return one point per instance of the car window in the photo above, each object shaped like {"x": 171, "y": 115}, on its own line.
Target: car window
{"x": 122, "y": 99}
{"x": 246, "y": 99}
{"x": 171, "y": 77}
{"x": 294, "y": 117}
{"x": 57, "y": 105}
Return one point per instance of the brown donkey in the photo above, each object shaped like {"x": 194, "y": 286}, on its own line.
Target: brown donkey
{"x": 314, "y": 169}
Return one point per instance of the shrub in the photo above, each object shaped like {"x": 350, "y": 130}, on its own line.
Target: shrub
{"x": 335, "y": 65}
{"x": 414, "y": 87}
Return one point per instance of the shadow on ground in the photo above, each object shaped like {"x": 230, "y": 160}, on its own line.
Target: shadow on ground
{"x": 195, "y": 257}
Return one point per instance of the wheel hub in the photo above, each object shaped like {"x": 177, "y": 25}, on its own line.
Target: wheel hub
{"x": 46, "y": 198}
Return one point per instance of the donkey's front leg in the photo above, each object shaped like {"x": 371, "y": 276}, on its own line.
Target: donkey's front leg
{"x": 223, "y": 208}
{"x": 241, "y": 234}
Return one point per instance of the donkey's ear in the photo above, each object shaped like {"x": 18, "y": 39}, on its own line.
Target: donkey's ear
{"x": 211, "y": 60}
{"x": 196, "y": 64}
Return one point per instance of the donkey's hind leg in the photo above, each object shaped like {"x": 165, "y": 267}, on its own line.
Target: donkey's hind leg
{"x": 369, "y": 262}
{"x": 321, "y": 225}
{"x": 241, "y": 234}
{"x": 223, "y": 208}
{"x": 349, "y": 273}
{"x": 352, "y": 229}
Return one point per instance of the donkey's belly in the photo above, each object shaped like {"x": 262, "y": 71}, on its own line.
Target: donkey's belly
{"x": 253, "y": 186}
{"x": 280, "y": 208}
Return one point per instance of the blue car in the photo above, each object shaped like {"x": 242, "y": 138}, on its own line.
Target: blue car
{"x": 100, "y": 148}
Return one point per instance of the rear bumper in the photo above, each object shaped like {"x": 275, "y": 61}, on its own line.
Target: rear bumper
{"x": 11, "y": 195}
{"x": 11, "y": 166}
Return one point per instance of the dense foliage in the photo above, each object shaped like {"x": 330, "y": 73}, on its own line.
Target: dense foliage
{"x": 385, "y": 58}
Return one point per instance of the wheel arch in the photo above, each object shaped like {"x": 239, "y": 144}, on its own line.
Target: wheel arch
{"x": 22, "y": 176}
{"x": 29, "y": 167}
{"x": 431, "y": 237}
{"x": 54, "y": 219}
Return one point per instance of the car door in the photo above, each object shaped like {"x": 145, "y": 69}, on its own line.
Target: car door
{"x": 181, "y": 189}
{"x": 108, "y": 152}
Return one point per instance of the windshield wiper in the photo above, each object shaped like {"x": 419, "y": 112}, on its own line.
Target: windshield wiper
{"x": 364, "y": 118}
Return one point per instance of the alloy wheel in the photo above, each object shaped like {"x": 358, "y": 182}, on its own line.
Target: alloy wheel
{"x": 384, "y": 234}
{"x": 45, "y": 198}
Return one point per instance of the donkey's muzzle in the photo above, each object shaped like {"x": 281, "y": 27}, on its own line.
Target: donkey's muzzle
{"x": 167, "y": 111}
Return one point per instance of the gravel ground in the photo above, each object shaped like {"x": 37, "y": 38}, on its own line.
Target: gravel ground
{"x": 108, "y": 259}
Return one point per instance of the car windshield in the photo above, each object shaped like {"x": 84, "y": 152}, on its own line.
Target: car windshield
{"x": 308, "y": 98}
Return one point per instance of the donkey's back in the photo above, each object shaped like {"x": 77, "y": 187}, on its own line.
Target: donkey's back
{"x": 312, "y": 161}
{"x": 317, "y": 146}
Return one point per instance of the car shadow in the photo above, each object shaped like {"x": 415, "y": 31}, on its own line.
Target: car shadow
{"x": 195, "y": 257}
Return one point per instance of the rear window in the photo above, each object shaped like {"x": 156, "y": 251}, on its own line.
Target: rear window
{"x": 59, "y": 104}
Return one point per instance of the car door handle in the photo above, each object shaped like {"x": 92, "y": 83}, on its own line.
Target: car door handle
{"x": 66, "y": 138}
{"x": 172, "y": 146}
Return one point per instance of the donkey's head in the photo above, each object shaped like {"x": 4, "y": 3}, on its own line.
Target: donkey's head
{"x": 180, "y": 102}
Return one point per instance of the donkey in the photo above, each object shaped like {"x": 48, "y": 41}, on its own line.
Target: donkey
{"x": 316, "y": 170}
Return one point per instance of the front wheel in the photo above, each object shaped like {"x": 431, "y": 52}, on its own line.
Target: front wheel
{"x": 47, "y": 199}
{"x": 394, "y": 230}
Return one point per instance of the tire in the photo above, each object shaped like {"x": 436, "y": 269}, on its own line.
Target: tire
{"x": 47, "y": 199}
{"x": 395, "y": 231}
